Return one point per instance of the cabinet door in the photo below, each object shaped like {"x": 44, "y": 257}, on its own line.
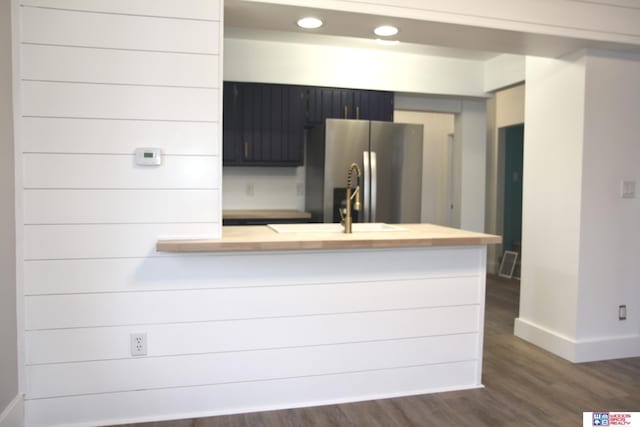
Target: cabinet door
{"x": 273, "y": 125}
{"x": 334, "y": 103}
{"x": 294, "y": 106}
{"x": 373, "y": 105}
{"x": 257, "y": 123}
{"x": 329, "y": 103}
{"x": 231, "y": 124}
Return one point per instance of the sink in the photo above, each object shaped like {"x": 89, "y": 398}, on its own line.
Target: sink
{"x": 360, "y": 227}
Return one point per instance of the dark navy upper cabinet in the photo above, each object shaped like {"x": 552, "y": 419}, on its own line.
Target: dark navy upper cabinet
{"x": 232, "y": 145}
{"x": 263, "y": 124}
{"x": 328, "y": 103}
{"x": 373, "y": 105}
{"x": 335, "y": 103}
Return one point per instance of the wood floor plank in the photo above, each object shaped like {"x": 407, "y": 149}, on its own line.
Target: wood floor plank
{"x": 524, "y": 386}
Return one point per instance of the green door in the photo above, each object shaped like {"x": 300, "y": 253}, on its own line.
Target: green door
{"x": 512, "y": 233}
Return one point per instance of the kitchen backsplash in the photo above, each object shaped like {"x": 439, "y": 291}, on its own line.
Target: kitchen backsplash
{"x": 263, "y": 188}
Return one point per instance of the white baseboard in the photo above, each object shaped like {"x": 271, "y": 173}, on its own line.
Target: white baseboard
{"x": 551, "y": 341}
{"x": 591, "y": 350}
{"x": 13, "y": 414}
{"x": 578, "y": 351}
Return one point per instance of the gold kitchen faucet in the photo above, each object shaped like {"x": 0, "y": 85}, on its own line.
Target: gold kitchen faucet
{"x": 346, "y": 217}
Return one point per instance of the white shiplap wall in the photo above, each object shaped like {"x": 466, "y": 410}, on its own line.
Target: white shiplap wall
{"x": 97, "y": 79}
{"x": 226, "y": 332}
{"x": 244, "y": 332}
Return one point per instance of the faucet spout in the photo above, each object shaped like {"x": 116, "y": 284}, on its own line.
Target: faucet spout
{"x": 352, "y": 193}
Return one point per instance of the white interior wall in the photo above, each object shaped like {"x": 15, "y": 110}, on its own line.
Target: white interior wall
{"x": 263, "y": 187}
{"x": 491, "y": 195}
{"x": 609, "y": 228}
{"x": 335, "y": 66}
{"x": 470, "y": 160}
{"x": 92, "y": 87}
{"x": 554, "y": 117}
{"x": 435, "y": 165}
{"x": 8, "y": 320}
{"x": 427, "y": 103}
{"x": 571, "y": 288}
{"x": 510, "y": 108}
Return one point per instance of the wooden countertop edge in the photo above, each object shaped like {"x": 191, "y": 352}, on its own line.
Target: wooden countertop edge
{"x": 320, "y": 243}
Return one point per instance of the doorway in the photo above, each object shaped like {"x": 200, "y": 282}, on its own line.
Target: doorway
{"x": 512, "y": 140}
{"x": 437, "y": 164}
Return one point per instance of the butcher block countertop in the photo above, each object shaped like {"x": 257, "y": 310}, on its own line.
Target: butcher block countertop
{"x": 263, "y": 238}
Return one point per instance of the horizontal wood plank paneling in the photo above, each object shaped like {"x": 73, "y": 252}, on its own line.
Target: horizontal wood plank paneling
{"x": 52, "y": 99}
{"x": 70, "y": 64}
{"x": 75, "y": 345}
{"x": 91, "y": 171}
{"x": 195, "y": 9}
{"x": 89, "y": 310}
{"x": 97, "y": 80}
{"x": 69, "y": 28}
{"x": 57, "y": 242}
{"x": 198, "y": 370}
{"x": 202, "y": 271}
{"x": 53, "y": 135}
{"x": 119, "y": 206}
{"x": 141, "y": 405}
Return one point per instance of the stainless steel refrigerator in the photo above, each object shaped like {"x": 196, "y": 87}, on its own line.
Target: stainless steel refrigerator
{"x": 390, "y": 159}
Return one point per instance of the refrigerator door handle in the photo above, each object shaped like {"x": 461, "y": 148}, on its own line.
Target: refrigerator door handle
{"x": 373, "y": 186}
{"x": 367, "y": 186}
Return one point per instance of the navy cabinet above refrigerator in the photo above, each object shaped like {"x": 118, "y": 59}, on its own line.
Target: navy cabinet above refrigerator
{"x": 336, "y": 103}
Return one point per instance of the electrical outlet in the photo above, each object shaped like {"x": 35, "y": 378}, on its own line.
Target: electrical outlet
{"x": 622, "y": 312}
{"x": 249, "y": 190}
{"x": 299, "y": 189}
{"x": 628, "y": 189}
{"x": 138, "y": 344}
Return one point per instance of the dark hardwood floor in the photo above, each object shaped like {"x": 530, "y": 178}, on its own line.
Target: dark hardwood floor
{"x": 524, "y": 386}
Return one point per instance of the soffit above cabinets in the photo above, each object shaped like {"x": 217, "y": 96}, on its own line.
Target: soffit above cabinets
{"x": 277, "y": 22}
{"x": 353, "y": 42}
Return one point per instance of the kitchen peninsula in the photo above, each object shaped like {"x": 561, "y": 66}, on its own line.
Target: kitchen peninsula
{"x": 312, "y": 318}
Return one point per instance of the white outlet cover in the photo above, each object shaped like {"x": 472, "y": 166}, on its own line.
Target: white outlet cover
{"x": 138, "y": 344}
{"x": 628, "y": 189}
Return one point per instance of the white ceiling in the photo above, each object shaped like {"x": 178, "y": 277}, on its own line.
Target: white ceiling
{"x": 262, "y": 21}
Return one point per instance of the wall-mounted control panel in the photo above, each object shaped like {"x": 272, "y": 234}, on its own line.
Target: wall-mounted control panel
{"x": 148, "y": 157}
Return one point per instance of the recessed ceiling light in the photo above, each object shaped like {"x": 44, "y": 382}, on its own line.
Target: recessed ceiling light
{"x": 309, "y": 23}
{"x": 385, "y": 31}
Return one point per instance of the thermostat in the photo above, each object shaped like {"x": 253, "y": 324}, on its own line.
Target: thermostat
{"x": 148, "y": 156}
